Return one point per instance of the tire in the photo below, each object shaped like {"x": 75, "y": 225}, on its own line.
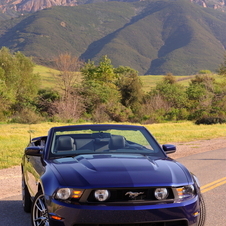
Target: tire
{"x": 26, "y": 198}
{"x": 39, "y": 215}
{"x": 202, "y": 215}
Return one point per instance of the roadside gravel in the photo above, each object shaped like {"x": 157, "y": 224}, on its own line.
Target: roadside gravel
{"x": 10, "y": 179}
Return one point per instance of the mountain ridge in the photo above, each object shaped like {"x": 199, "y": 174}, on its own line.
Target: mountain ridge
{"x": 35, "y": 5}
{"x": 153, "y": 37}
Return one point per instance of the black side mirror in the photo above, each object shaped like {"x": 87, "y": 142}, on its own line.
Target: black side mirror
{"x": 169, "y": 148}
{"x": 34, "y": 151}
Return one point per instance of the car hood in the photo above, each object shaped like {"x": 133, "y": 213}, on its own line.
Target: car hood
{"x": 119, "y": 170}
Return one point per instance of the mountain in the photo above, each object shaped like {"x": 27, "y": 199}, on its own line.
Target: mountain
{"x": 152, "y": 36}
{"x": 7, "y": 6}
{"x": 32, "y": 5}
{"x": 215, "y": 4}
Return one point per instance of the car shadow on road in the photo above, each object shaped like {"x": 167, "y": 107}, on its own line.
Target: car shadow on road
{"x": 11, "y": 212}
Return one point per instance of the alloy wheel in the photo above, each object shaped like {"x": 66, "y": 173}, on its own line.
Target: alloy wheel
{"x": 40, "y": 216}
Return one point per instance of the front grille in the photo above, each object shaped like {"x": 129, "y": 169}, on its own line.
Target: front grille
{"x": 124, "y": 195}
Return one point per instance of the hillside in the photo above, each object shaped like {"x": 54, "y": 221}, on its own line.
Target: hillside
{"x": 153, "y": 37}
{"x": 7, "y": 6}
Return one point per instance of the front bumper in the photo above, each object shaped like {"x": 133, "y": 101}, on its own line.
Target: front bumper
{"x": 181, "y": 214}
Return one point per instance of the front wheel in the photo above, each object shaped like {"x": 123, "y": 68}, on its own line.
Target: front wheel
{"x": 40, "y": 215}
{"x": 26, "y": 198}
{"x": 202, "y": 215}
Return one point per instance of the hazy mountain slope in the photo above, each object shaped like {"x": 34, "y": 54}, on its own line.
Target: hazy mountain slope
{"x": 153, "y": 36}
{"x": 167, "y": 37}
{"x": 49, "y": 32}
{"x": 34, "y": 5}
{"x": 214, "y": 4}
{"x": 190, "y": 43}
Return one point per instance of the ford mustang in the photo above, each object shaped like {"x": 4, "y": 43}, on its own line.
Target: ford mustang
{"x": 107, "y": 174}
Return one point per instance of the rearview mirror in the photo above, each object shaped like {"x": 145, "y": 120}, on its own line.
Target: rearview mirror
{"x": 34, "y": 151}
{"x": 169, "y": 148}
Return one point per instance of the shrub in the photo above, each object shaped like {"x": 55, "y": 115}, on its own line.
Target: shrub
{"x": 26, "y": 116}
{"x": 210, "y": 120}
{"x": 202, "y": 72}
{"x": 100, "y": 114}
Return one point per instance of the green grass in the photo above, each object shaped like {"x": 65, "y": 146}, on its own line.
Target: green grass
{"x": 149, "y": 81}
{"x": 47, "y": 76}
{"x": 185, "y": 132}
{"x": 15, "y": 137}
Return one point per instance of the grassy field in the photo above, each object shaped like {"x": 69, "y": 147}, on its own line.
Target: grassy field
{"x": 47, "y": 76}
{"x": 15, "y": 137}
{"x": 149, "y": 81}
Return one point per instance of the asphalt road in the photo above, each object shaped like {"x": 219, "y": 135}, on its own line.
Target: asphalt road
{"x": 209, "y": 167}
{"x": 12, "y": 214}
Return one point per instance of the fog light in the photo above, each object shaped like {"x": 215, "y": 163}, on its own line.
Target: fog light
{"x": 161, "y": 193}
{"x": 101, "y": 195}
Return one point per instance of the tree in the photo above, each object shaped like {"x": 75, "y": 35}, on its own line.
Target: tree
{"x": 104, "y": 93}
{"x": 173, "y": 93}
{"x": 168, "y": 100}
{"x": 130, "y": 87}
{"x": 69, "y": 68}
{"x": 102, "y": 73}
{"x": 98, "y": 85}
{"x": 19, "y": 85}
{"x": 200, "y": 95}
{"x": 70, "y": 106}
{"x": 222, "y": 68}
{"x": 169, "y": 78}
{"x": 45, "y": 101}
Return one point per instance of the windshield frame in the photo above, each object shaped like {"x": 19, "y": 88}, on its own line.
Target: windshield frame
{"x": 104, "y": 128}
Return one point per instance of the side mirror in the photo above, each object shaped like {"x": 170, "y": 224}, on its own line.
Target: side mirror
{"x": 169, "y": 148}
{"x": 34, "y": 151}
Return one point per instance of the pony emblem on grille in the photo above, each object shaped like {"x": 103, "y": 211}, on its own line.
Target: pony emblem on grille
{"x": 133, "y": 195}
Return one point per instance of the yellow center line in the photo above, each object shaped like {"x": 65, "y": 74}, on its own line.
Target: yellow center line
{"x": 213, "y": 185}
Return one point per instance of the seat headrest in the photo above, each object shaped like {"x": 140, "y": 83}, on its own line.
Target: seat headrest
{"x": 117, "y": 142}
{"x": 64, "y": 143}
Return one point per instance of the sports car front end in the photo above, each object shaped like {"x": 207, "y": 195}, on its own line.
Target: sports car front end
{"x": 119, "y": 189}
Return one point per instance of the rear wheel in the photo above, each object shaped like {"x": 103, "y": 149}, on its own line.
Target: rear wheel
{"x": 202, "y": 215}
{"x": 40, "y": 215}
{"x": 26, "y": 198}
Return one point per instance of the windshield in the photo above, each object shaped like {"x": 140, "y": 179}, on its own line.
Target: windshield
{"x": 73, "y": 142}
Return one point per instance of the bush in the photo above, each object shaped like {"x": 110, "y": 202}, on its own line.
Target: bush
{"x": 203, "y": 72}
{"x": 100, "y": 115}
{"x": 176, "y": 114}
{"x": 26, "y": 116}
{"x": 117, "y": 112}
{"x": 210, "y": 120}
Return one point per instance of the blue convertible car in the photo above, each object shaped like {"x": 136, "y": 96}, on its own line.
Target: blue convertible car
{"x": 112, "y": 175}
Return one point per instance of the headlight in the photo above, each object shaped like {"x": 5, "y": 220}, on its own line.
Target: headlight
{"x": 67, "y": 193}
{"x": 161, "y": 193}
{"x": 102, "y": 195}
{"x": 185, "y": 192}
